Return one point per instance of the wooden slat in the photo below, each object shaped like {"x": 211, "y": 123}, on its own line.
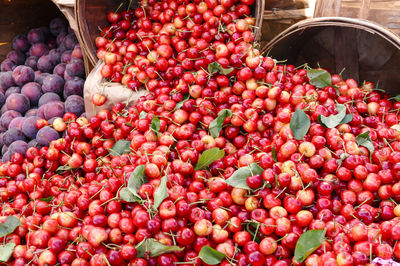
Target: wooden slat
{"x": 384, "y": 12}
{"x": 69, "y": 3}
{"x": 364, "y": 10}
{"x": 286, "y": 4}
{"x": 280, "y": 4}
{"x": 346, "y": 52}
{"x": 288, "y": 14}
{"x": 327, "y": 8}
{"x": 281, "y": 14}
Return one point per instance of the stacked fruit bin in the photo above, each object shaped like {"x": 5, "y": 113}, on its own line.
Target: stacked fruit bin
{"x": 226, "y": 156}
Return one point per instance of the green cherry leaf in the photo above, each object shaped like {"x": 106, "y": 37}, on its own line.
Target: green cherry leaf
{"x": 161, "y": 193}
{"x": 155, "y": 125}
{"x": 48, "y": 199}
{"x": 136, "y": 180}
{"x": 208, "y": 157}
{"x": 273, "y": 154}
{"x": 334, "y": 120}
{"x": 347, "y": 119}
{"x": 6, "y": 251}
{"x": 319, "y": 78}
{"x": 142, "y": 115}
{"x": 180, "y": 104}
{"x": 216, "y": 125}
{"x": 9, "y": 225}
{"x": 365, "y": 141}
{"x": 127, "y": 196}
{"x": 299, "y": 124}
{"x": 121, "y": 147}
{"x": 396, "y": 98}
{"x": 64, "y": 168}
{"x": 154, "y": 248}
{"x": 239, "y": 177}
{"x": 308, "y": 243}
{"x": 216, "y": 67}
{"x": 211, "y": 256}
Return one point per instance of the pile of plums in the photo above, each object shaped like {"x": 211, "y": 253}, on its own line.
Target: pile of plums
{"x": 40, "y": 80}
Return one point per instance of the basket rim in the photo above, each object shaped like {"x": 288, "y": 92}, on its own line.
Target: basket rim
{"x": 83, "y": 31}
{"x": 362, "y": 24}
{"x": 259, "y": 7}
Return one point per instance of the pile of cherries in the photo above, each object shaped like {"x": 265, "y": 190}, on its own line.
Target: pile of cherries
{"x": 158, "y": 170}
{"x": 160, "y": 41}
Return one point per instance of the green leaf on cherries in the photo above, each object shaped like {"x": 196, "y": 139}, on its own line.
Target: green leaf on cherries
{"x": 251, "y": 227}
{"x": 127, "y": 196}
{"x": 342, "y": 157}
{"x": 208, "y": 157}
{"x": 155, "y": 125}
{"x": 211, "y": 256}
{"x": 299, "y": 124}
{"x": 9, "y": 225}
{"x": 319, "y": 78}
{"x": 239, "y": 177}
{"x": 216, "y": 125}
{"x": 142, "y": 115}
{"x": 153, "y": 248}
{"x": 308, "y": 243}
{"x": 395, "y": 98}
{"x": 64, "y": 168}
{"x": 48, "y": 199}
{"x": 273, "y": 154}
{"x": 347, "y": 119}
{"x": 216, "y": 67}
{"x": 161, "y": 193}
{"x": 6, "y": 251}
{"x": 180, "y": 104}
{"x": 333, "y": 120}
{"x": 136, "y": 180}
{"x": 365, "y": 141}
{"x": 120, "y": 147}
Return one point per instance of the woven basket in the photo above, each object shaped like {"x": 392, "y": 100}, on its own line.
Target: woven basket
{"x": 91, "y": 15}
{"x": 384, "y": 12}
{"x": 360, "y": 49}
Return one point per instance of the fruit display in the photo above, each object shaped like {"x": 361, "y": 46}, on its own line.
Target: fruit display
{"x": 40, "y": 80}
{"x": 232, "y": 158}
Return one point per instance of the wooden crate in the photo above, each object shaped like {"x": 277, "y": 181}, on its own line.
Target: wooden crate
{"x": 281, "y": 14}
{"x": 384, "y": 12}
